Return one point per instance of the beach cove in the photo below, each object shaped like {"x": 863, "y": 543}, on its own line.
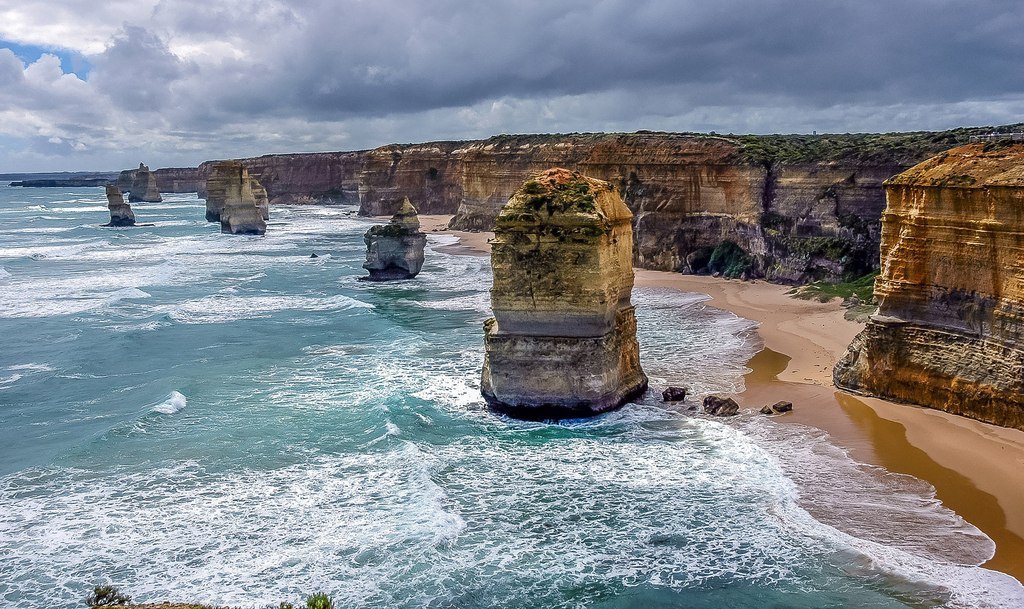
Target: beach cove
{"x": 977, "y": 469}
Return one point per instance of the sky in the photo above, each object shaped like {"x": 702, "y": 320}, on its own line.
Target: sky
{"x": 88, "y": 85}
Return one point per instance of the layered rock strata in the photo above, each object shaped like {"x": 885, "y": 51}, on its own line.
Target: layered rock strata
{"x": 144, "y": 188}
{"x": 395, "y": 250}
{"x": 120, "y": 212}
{"x": 949, "y": 332}
{"x": 562, "y": 342}
{"x": 221, "y": 175}
{"x": 230, "y": 188}
{"x": 262, "y": 201}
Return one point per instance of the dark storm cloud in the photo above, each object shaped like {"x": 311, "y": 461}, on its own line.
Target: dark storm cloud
{"x": 367, "y": 58}
{"x": 187, "y": 80}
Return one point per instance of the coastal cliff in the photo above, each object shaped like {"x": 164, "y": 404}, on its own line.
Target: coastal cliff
{"x": 562, "y": 342}
{"x": 792, "y": 209}
{"x": 949, "y": 332}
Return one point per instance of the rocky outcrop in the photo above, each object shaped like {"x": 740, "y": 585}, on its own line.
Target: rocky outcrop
{"x": 143, "y": 187}
{"x": 949, "y": 332}
{"x": 562, "y": 342}
{"x": 260, "y": 194}
{"x": 120, "y": 212}
{"x": 395, "y": 250}
{"x": 230, "y": 189}
{"x": 718, "y": 406}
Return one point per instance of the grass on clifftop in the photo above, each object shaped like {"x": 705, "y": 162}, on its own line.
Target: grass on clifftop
{"x": 869, "y": 148}
{"x": 824, "y": 291}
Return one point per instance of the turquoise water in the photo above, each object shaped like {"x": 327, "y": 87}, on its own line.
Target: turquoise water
{"x": 223, "y": 419}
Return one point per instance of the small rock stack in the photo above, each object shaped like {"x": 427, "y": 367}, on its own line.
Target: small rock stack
{"x": 395, "y": 250}
{"x": 231, "y": 201}
{"x": 562, "y": 342}
{"x": 120, "y": 212}
{"x": 144, "y": 187}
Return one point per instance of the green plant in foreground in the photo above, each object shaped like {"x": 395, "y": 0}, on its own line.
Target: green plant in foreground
{"x": 107, "y": 596}
{"x": 319, "y": 601}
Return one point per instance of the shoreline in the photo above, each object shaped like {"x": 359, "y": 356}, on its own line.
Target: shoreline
{"x": 977, "y": 469}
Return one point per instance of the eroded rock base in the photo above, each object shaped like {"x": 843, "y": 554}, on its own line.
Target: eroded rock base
{"x": 558, "y": 377}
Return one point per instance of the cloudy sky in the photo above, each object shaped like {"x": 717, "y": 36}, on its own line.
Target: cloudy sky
{"x": 99, "y": 85}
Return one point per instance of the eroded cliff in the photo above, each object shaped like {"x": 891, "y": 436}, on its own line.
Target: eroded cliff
{"x": 949, "y": 332}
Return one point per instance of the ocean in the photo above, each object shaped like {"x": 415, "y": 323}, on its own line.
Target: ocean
{"x": 212, "y": 418}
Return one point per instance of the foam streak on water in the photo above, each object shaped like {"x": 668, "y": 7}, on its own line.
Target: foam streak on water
{"x": 333, "y": 438}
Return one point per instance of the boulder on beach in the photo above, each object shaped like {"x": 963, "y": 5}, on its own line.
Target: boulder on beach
{"x": 395, "y": 250}
{"x": 674, "y": 394}
{"x": 721, "y": 407}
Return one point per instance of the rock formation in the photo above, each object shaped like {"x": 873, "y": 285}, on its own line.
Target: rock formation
{"x": 262, "y": 201}
{"x": 143, "y": 188}
{"x": 168, "y": 179}
{"x": 230, "y": 197}
{"x": 395, "y": 250}
{"x": 221, "y": 176}
{"x": 120, "y": 212}
{"x": 562, "y": 342}
{"x": 949, "y": 332}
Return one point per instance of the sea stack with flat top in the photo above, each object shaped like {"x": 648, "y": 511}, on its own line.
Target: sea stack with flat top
{"x": 222, "y": 173}
{"x": 395, "y": 250}
{"x": 239, "y": 215}
{"x": 949, "y": 332}
{"x": 562, "y": 342}
{"x": 144, "y": 188}
{"x": 120, "y": 212}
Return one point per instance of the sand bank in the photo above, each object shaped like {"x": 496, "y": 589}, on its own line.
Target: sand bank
{"x": 977, "y": 469}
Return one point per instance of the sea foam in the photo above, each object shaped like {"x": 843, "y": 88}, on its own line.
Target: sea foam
{"x": 175, "y": 402}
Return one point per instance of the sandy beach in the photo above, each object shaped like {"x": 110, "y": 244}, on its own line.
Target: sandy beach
{"x": 977, "y": 469}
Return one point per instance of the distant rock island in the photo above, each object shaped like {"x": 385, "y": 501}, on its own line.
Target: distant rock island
{"x": 949, "y": 332}
{"x": 562, "y": 342}
{"x": 395, "y": 250}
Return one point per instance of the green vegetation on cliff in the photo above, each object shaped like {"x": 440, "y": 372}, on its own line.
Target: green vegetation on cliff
{"x": 868, "y": 148}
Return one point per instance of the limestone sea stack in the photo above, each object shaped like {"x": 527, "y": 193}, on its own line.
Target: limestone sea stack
{"x": 562, "y": 342}
{"x": 120, "y": 212}
{"x": 949, "y": 332}
{"x": 230, "y": 187}
{"x": 395, "y": 250}
{"x": 262, "y": 201}
{"x": 144, "y": 187}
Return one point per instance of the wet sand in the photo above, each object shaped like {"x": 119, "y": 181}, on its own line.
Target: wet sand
{"x": 977, "y": 469}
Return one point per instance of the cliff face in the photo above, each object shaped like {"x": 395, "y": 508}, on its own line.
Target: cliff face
{"x": 950, "y": 324}
{"x": 323, "y": 177}
{"x": 562, "y": 342}
{"x": 701, "y": 204}
{"x": 168, "y": 179}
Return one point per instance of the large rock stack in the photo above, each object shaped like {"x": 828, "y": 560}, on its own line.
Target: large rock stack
{"x": 222, "y": 173}
{"x": 562, "y": 342}
{"x": 120, "y": 212}
{"x": 229, "y": 190}
{"x": 144, "y": 187}
{"x": 395, "y": 250}
{"x": 949, "y": 332}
